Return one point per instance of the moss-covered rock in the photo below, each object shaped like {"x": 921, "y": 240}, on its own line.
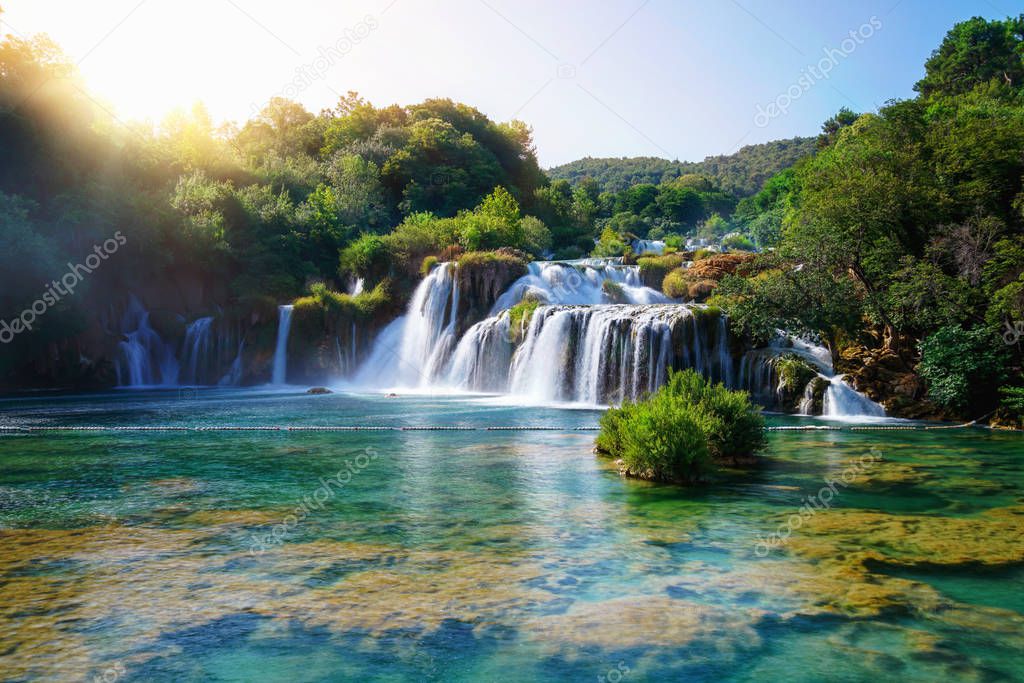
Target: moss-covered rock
{"x": 519, "y": 317}
{"x": 614, "y": 292}
{"x": 795, "y": 374}
{"x": 332, "y": 332}
{"x": 653, "y": 269}
{"x": 482, "y": 277}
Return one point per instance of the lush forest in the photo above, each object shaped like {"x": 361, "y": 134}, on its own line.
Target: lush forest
{"x": 742, "y": 173}
{"x": 241, "y": 217}
{"x": 901, "y": 241}
{"x": 897, "y": 236}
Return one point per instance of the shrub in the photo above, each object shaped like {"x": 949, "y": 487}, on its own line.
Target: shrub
{"x": 610, "y": 244}
{"x": 683, "y": 283}
{"x": 675, "y": 284}
{"x": 684, "y": 429}
{"x": 717, "y": 266}
{"x": 962, "y": 367}
{"x": 520, "y": 315}
{"x": 339, "y": 306}
{"x": 428, "y": 265}
{"x": 738, "y": 243}
{"x": 613, "y": 290}
{"x": 1011, "y": 405}
{"x": 653, "y": 269}
{"x": 368, "y": 257}
{"x": 665, "y": 440}
{"x": 794, "y": 372}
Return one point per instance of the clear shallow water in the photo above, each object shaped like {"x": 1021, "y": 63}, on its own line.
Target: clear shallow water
{"x": 466, "y": 556}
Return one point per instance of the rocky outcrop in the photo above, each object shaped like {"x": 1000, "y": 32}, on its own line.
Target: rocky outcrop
{"x": 698, "y": 281}
{"x": 332, "y": 333}
{"x": 889, "y": 379}
{"x": 482, "y": 277}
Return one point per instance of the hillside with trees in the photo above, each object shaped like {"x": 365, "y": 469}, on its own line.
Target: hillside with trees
{"x": 901, "y": 242}
{"x": 742, "y": 173}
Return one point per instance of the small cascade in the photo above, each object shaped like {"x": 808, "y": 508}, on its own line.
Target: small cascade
{"x": 648, "y": 247}
{"x": 482, "y": 358}
{"x": 198, "y": 359}
{"x": 284, "y": 324}
{"x": 416, "y": 347}
{"x": 843, "y": 401}
{"x": 144, "y": 359}
{"x": 342, "y": 365}
{"x": 757, "y": 375}
{"x": 356, "y": 286}
{"x": 578, "y": 283}
{"x": 806, "y": 406}
{"x": 233, "y": 377}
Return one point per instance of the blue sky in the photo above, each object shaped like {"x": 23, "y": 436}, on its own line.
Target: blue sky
{"x": 616, "y": 78}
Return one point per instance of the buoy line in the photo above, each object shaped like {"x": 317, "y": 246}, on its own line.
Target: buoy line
{"x": 426, "y": 428}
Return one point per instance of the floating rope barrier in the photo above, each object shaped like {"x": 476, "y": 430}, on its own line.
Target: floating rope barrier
{"x": 427, "y": 428}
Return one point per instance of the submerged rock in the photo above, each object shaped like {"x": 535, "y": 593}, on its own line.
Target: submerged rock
{"x": 319, "y": 391}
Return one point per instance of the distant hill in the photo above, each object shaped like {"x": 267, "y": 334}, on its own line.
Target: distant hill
{"x": 743, "y": 173}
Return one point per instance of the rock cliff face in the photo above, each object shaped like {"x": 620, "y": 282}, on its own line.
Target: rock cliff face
{"x": 481, "y": 279}
{"x": 887, "y": 378}
{"x": 86, "y": 356}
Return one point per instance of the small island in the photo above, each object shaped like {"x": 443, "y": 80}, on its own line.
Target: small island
{"x": 683, "y": 432}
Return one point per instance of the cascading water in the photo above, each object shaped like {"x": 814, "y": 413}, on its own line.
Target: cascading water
{"x": 578, "y": 346}
{"x": 843, "y": 401}
{"x": 233, "y": 377}
{"x": 482, "y": 358}
{"x": 412, "y": 350}
{"x": 198, "y": 352}
{"x": 648, "y": 247}
{"x": 284, "y": 323}
{"x": 758, "y": 375}
{"x": 144, "y": 359}
{"x": 595, "y": 354}
{"x": 578, "y": 283}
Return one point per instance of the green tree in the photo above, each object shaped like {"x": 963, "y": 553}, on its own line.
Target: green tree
{"x": 963, "y": 367}
{"x": 974, "y": 53}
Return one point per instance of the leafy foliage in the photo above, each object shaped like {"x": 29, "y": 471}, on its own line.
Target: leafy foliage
{"x": 742, "y": 173}
{"x": 961, "y": 365}
{"x": 679, "y": 433}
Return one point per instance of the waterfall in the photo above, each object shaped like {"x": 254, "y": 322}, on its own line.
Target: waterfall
{"x": 233, "y": 377}
{"x": 281, "y": 351}
{"x": 144, "y": 359}
{"x": 843, "y": 401}
{"x": 416, "y": 347}
{"x": 648, "y": 247}
{"x": 609, "y": 353}
{"x": 578, "y": 282}
{"x": 482, "y": 358}
{"x": 807, "y": 402}
{"x": 197, "y": 361}
{"x": 578, "y": 347}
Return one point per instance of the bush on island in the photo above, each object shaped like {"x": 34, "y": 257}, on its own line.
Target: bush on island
{"x": 682, "y": 432}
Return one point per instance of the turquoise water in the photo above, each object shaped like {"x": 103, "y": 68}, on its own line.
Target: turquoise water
{"x": 478, "y": 556}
